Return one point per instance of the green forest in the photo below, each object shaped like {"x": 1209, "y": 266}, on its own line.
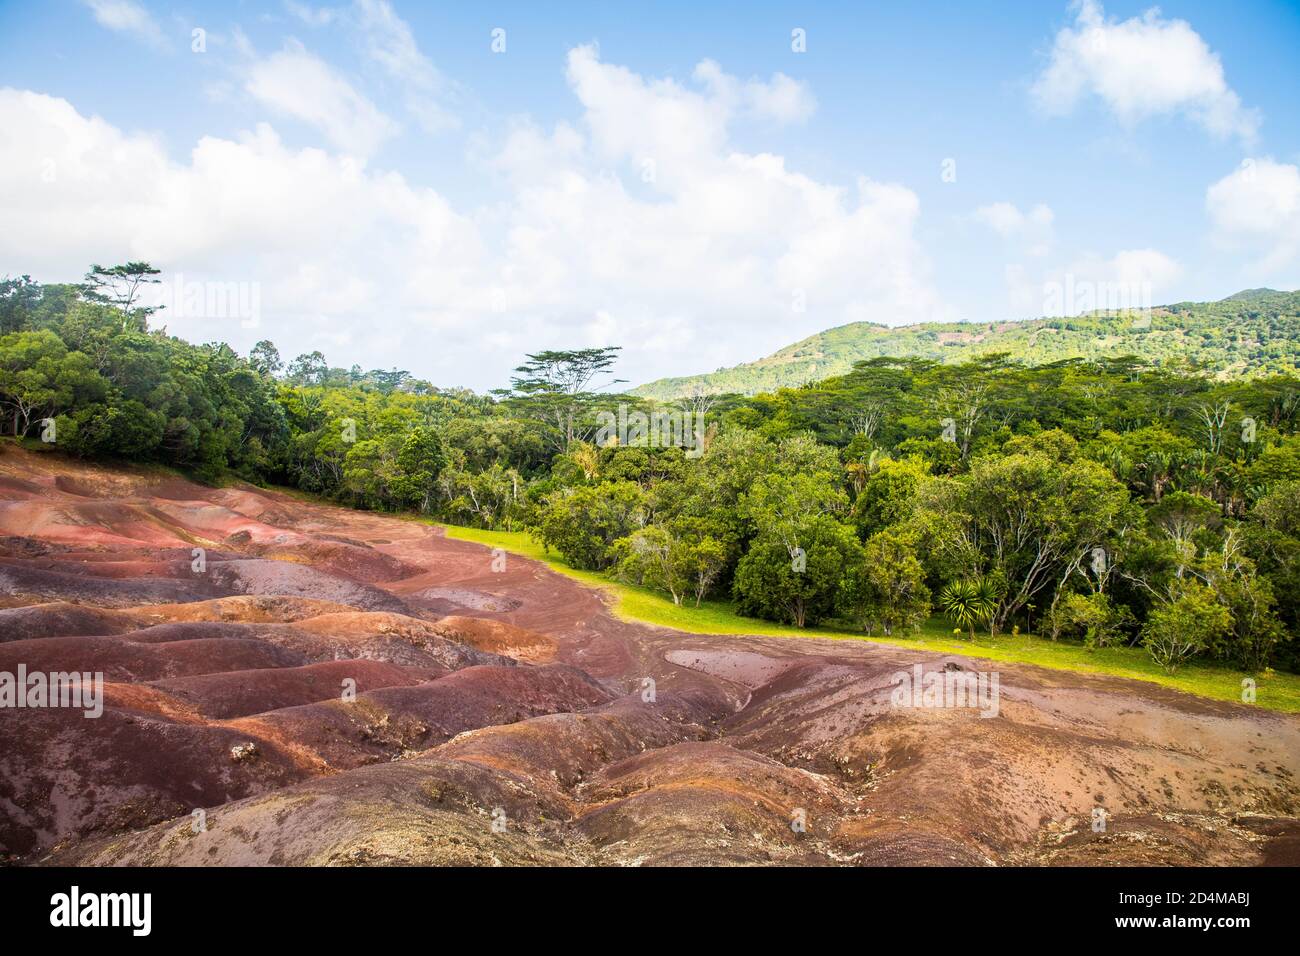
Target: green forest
{"x": 1251, "y": 333}
{"x": 1107, "y": 500}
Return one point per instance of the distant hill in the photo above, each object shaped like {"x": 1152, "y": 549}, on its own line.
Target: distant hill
{"x": 1251, "y": 295}
{"x": 1254, "y": 331}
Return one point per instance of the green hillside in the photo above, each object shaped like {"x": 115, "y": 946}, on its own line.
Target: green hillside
{"x": 1254, "y": 331}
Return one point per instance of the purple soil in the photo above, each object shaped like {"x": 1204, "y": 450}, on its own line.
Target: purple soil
{"x": 504, "y": 717}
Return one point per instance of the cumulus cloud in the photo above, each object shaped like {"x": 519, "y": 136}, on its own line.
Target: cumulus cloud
{"x": 1130, "y": 279}
{"x": 312, "y": 16}
{"x": 1142, "y": 67}
{"x": 1033, "y": 228}
{"x": 780, "y": 99}
{"x": 706, "y": 256}
{"x": 726, "y": 240}
{"x": 1257, "y": 206}
{"x": 298, "y": 84}
{"x": 126, "y": 16}
{"x": 389, "y": 42}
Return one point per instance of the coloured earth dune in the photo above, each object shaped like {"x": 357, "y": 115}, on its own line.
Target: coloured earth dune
{"x": 337, "y": 687}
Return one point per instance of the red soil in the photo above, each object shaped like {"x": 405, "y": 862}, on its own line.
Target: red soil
{"x": 505, "y": 717}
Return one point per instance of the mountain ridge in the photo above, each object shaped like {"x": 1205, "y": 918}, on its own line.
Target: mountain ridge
{"x": 1254, "y": 331}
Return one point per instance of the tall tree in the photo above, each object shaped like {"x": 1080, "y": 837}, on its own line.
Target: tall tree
{"x": 121, "y": 286}
{"x": 557, "y": 386}
{"x": 18, "y": 297}
{"x": 265, "y": 357}
{"x": 310, "y": 368}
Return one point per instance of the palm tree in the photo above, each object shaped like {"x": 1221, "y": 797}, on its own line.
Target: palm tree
{"x": 968, "y": 602}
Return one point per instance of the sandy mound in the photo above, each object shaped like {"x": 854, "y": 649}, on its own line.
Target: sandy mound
{"x": 344, "y": 558}
{"x": 462, "y": 747}
{"x": 104, "y": 524}
{"x": 381, "y": 635}
{"x": 60, "y": 619}
{"x": 260, "y": 576}
{"x": 397, "y": 721}
{"x": 697, "y": 802}
{"x": 317, "y": 647}
{"x": 435, "y": 809}
{"x": 743, "y": 667}
{"x": 277, "y": 609}
{"x": 68, "y": 776}
{"x": 499, "y": 637}
{"x": 467, "y": 599}
{"x": 80, "y": 588}
{"x": 412, "y": 812}
{"x": 241, "y": 693}
{"x": 212, "y": 522}
{"x": 121, "y": 659}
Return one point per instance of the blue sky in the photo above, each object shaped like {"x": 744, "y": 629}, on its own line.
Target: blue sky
{"x": 380, "y": 184}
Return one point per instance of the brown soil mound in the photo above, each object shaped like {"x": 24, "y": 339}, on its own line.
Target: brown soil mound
{"x": 261, "y": 609}
{"x": 413, "y": 813}
{"x": 261, "y": 576}
{"x": 83, "y": 588}
{"x": 499, "y": 637}
{"x": 432, "y": 651}
{"x": 61, "y": 619}
{"x": 64, "y": 776}
{"x": 398, "y": 721}
{"x": 393, "y": 637}
{"x": 708, "y": 802}
{"x": 241, "y": 693}
{"x": 533, "y": 727}
{"x": 121, "y": 659}
{"x": 347, "y": 559}
{"x": 16, "y": 489}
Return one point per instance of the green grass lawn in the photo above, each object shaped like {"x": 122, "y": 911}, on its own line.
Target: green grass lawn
{"x": 1277, "y": 691}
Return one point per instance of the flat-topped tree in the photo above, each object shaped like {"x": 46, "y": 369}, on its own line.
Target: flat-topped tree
{"x": 556, "y": 386}
{"x": 120, "y": 286}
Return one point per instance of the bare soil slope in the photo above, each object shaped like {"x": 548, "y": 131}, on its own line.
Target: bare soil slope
{"x": 334, "y": 687}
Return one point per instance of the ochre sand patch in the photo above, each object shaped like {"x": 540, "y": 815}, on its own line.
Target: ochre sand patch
{"x": 338, "y": 687}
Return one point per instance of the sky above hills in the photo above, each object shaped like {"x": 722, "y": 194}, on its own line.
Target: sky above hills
{"x": 444, "y": 188}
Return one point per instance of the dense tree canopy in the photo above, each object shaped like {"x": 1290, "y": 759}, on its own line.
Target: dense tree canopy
{"x": 1107, "y": 501}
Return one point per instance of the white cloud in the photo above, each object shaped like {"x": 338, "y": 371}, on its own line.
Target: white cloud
{"x": 389, "y": 42}
{"x": 1141, "y": 67}
{"x": 336, "y": 249}
{"x": 727, "y": 240}
{"x": 312, "y": 16}
{"x": 1032, "y": 228}
{"x": 781, "y": 99}
{"x": 295, "y": 83}
{"x": 1130, "y": 279}
{"x": 703, "y": 266}
{"x": 632, "y": 119}
{"x": 1258, "y": 206}
{"x": 126, "y": 16}
{"x": 1135, "y": 266}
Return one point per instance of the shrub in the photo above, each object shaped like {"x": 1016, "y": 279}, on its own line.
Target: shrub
{"x": 1179, "y": 629}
